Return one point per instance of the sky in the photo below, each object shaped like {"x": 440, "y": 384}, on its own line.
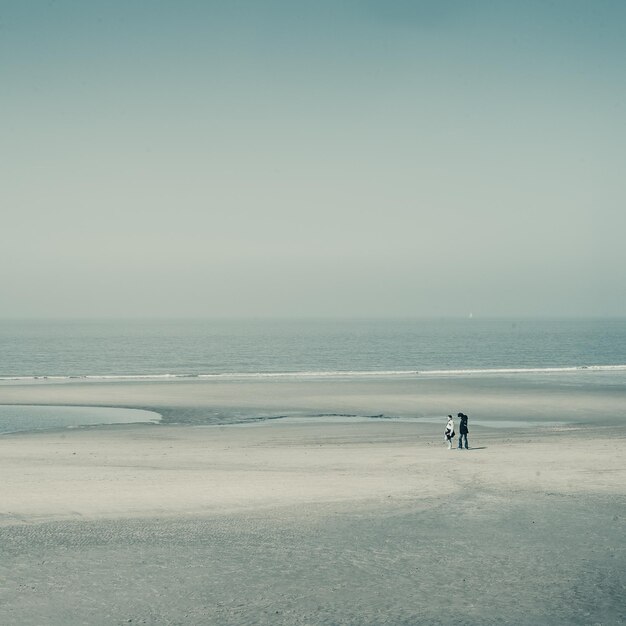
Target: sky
{"x": 283, "y": 158}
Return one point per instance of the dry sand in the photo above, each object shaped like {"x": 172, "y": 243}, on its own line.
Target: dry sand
{"x": 312, "y": 523}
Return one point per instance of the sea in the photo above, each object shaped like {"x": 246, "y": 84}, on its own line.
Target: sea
{"x": 54, "y": 351}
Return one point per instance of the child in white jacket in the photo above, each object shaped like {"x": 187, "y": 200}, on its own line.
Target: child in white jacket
{"x": 449, "y": 432}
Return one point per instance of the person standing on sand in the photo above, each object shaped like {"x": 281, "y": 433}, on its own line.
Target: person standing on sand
{"x": 463, "y": 430}
{"x": 449, "y": 432}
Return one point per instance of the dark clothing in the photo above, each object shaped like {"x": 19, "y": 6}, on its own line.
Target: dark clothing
{"x": 463, "y": 430}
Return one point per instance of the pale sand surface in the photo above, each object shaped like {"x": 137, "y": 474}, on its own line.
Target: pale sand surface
{"x": 313, "y": 523}
{"x": 146, "y": 470}
{"x": 319, "y": 521}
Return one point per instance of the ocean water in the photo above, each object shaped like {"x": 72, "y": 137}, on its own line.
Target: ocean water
{"x": 246, "y": 371}
{"x": 130, "y": 349}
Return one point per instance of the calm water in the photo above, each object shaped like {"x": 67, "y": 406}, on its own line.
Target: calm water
{"x": 19, "y": 418}
{"x": 209, "y": 347}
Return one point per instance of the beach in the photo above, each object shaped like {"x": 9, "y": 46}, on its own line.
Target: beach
{"x": 254, "y": 256}
{"x": 336, "y": 519}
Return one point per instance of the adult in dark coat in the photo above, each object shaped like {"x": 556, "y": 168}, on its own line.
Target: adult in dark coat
{"x": 463, "y": 430}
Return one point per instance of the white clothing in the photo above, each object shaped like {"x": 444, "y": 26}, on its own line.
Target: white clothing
{"x": 449, "y": 430}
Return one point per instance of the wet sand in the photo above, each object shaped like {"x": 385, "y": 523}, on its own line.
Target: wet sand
{"x": 312, "y": 523}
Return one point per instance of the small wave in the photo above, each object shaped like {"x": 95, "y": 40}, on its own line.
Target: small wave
{"x": 337, "y": 374}
{"x": 526, "y": 370}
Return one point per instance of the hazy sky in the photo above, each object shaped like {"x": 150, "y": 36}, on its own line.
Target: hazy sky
{"x": 327, "y": 157}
